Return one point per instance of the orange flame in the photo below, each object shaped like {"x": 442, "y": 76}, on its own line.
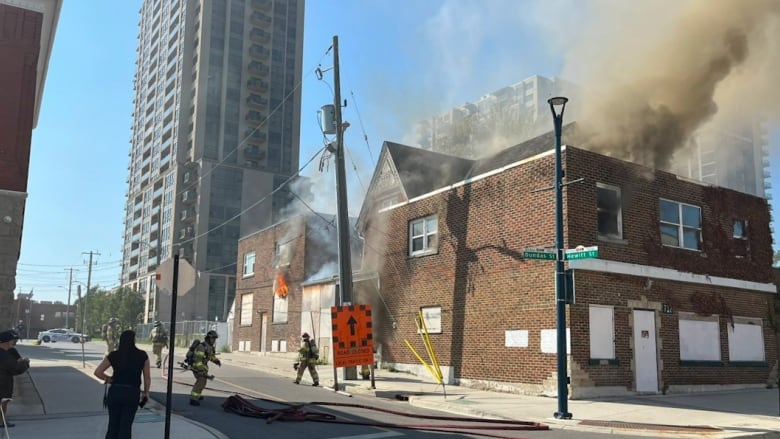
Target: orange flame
{"x": 280, "y": 285}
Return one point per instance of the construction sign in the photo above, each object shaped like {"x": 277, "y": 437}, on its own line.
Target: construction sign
{"x": 353, "y": 336}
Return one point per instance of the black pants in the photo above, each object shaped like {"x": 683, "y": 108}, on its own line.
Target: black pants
{"x": 122, "y": 405}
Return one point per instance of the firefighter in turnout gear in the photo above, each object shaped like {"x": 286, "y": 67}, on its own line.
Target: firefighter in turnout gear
{"x": 203, "y": 353}
{"x": 111, "y": 334}
{"x": 159, "y": 339}
{"x": 308, "y": 355}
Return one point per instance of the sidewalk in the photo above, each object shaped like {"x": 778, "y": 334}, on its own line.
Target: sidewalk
{"x": 61, "y": 399}
{"x": 739, "y": 413}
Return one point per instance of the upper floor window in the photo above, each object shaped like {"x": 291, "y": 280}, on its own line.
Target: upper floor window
{"x": 283, "y": 254}
{"x": 423, "y": 235}
{"x": 741, "y": 244}
{"x": 680, "y": 225}
{"x": 249, "y": 264}
{"x": 610, "y": 213}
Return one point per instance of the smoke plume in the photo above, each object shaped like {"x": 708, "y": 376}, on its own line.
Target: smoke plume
{"x": 654, "y": 75}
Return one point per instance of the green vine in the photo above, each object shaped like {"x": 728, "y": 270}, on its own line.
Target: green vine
{"x": 707, "y": 304}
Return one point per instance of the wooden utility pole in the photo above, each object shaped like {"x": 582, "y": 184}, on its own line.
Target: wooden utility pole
{"x": 89, "y": 280}
{"x": 345, "y": 249}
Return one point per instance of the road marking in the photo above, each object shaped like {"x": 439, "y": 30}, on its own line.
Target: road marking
{"x": 372, "y": 435}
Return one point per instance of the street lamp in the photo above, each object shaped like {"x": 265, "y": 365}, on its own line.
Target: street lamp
{"x": 557, "y": 105}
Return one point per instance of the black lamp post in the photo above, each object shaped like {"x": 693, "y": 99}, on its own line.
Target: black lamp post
{"x": 559, "y": 103}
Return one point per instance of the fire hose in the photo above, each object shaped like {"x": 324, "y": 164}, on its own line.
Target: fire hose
{"x": 296, "y": 412}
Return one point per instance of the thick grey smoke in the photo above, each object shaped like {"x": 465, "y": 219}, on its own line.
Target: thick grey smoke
{"x": 655, "y": 73}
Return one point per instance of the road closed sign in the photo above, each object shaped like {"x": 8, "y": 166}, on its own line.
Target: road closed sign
{"x": 353, "y": 336}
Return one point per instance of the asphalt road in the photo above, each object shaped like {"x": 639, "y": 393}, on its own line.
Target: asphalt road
{"x": 356, "y": 417}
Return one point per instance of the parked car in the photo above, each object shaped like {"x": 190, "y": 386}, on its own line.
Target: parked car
{"x": 54, "y": 335}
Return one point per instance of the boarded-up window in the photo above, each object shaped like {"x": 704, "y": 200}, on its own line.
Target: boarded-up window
{"x": 280, "y": 309}
{"x": 746, "y": 340}
{"x": 699, "y": 338}
{"x": 246, "y": 309}
{"x": 602, "y": 332}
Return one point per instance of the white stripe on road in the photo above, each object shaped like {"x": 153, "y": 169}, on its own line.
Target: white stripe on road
{"x": 372, "y": 436}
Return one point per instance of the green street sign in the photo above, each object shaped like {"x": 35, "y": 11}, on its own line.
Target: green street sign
{"x": 539, "y": 254}
{"x": 582, "y": 253}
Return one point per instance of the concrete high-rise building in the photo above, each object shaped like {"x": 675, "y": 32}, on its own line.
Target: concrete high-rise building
{"x": 497, "y": 120}
{"x": 216, "y": 128}
{"x": 734, "y": 156}
{"x": 27, "y": 29}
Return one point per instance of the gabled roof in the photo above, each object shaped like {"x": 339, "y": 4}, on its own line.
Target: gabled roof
{"x": 529, "y": 148}
{"x": 422, "y": 171}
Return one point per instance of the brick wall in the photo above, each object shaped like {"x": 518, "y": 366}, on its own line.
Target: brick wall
{"x": 260, "y": 284}
{"x": 485, "y": 287}
{"x": 20, "y": 37}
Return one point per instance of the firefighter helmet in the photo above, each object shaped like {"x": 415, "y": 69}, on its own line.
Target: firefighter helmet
{"x": 212, "y": 334}
{"x": 305, "y": 336}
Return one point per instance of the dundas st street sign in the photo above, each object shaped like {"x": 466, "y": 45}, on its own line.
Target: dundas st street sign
{"x": 580, "y": 252}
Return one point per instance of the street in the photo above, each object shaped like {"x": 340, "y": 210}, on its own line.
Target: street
{"x": 327, "y": 414}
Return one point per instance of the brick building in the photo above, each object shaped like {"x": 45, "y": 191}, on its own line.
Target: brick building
{"x": 677, "y": 300}
{"x": 287, "y": 281}
{"x": 26, "y": 37}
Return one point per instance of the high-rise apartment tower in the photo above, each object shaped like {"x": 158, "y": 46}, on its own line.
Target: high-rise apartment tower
{"x": 216, "y": 127}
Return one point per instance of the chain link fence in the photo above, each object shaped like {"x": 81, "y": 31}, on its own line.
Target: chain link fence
{"x": 187, "y": 331}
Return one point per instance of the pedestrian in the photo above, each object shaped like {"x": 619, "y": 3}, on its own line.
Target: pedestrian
{"x": 111, "y": 334}
{"x": 13, "y": 350}
{"x": 308, "y": 354}
{"x": 202, "y": 354}
{"x": 159, "y": 339}
{"x": 128, "y": 364}
{"x": 10, "y": 366}
{"x": 20, "y": 329}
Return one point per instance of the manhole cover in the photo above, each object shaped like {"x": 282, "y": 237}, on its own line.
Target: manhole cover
{"x": 654, "y": 427}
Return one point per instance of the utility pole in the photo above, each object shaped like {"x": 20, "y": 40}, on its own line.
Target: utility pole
{"x": 345, "y": 261}
{"x": 89, "y": 280}
{"x": 345, "y": 249}
{"x": 67, "y": 310}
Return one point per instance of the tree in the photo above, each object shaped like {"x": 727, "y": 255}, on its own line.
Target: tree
{"x": 124, "y": 303}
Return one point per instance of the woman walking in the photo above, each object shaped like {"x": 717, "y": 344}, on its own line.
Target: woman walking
{"x": 128, "y": 363}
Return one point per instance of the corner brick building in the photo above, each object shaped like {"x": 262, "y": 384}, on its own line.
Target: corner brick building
{"x": 676, "y": 301}
{"x": 287, "y": 282}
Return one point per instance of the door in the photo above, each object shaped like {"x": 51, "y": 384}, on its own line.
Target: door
{"x": 263, "y": 331}
{"x": 645, "y": 355}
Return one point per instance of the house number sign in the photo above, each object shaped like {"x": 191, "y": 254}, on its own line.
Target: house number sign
{"x": 666, "y": 308}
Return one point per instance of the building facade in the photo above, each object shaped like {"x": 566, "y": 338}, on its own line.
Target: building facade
{"x": 288, "y": 281}
{"x": 215, "y": 132}
{"x": 506, "y": 116}
{"x": 27, "y": 30}
{"x": 733, "y": 154}
{"x": 677, "y": 299}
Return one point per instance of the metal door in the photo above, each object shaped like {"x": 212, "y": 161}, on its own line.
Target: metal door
{"x": 645, "y": 354}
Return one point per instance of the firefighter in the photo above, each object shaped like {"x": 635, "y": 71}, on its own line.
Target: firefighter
{"x": 159, "y": 339}
{"x": 204, "y": 353}
{"x": 308, "y": 355}
{"x": 111, "y": 334}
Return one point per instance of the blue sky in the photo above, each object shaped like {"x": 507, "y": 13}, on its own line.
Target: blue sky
{"x": 400, "y": 61}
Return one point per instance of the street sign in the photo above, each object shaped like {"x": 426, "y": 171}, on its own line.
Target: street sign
{"x": 536, "y": 253}
{"x": 582, "y": 253}
{"x": 353, "y": 339}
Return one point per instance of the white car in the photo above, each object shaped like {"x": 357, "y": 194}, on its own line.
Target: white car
{"x": 53, "y": 335}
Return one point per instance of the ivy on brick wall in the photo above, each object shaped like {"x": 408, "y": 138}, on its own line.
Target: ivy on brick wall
{"x": 719, "y": 256}
{"x": 708, "y": 304}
